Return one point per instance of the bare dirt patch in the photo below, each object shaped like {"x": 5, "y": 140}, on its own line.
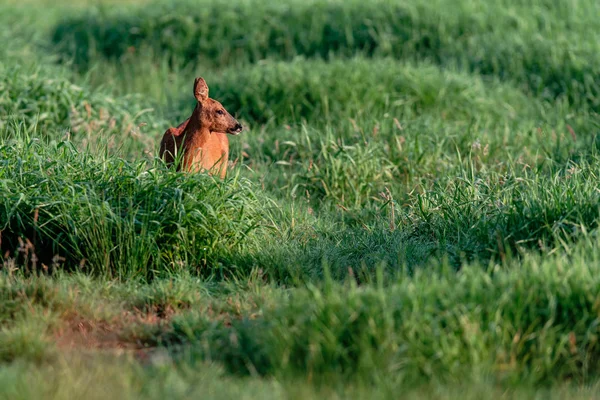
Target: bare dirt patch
{"x": 79, "y": 334}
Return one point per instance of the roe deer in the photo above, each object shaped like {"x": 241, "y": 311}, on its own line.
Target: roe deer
{"x": 202, "y": 138}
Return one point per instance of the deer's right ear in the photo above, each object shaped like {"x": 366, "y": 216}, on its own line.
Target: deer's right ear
{"x": 200, "y": 90}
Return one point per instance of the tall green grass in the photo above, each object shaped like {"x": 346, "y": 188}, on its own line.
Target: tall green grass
{"x": 533, "y": 320}
{"x": 111, "y": 217}
{"x": 415, "y": 199}
{"x": 376, "y": 177}
{"x": 76, "y": 376}
{"x": 480, "y": 212}
{"x": 550, "y": 49}
{"x": 43, "y": 102}
{"x": 356, "y": 224}
{"x": 419, "y": 117}
{"x": 318, "y": 92}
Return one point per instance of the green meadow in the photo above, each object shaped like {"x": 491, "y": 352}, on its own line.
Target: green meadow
{"x": 412, "y": 210}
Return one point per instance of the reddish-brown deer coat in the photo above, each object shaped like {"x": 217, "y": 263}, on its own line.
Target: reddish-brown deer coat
{"x": 202, "y": 138}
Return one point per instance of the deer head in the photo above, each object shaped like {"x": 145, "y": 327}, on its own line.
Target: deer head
{"x": 213, "y": 116}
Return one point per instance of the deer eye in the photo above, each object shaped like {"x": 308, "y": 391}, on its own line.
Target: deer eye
{"x": 220, "y": 112}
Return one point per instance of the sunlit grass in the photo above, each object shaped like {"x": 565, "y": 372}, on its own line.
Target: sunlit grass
{"x": 412, "y": 208}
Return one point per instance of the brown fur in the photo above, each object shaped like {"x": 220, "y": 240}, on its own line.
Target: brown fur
{"x": 203, "y": 137}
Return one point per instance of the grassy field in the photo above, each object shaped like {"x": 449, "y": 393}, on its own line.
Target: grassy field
{"x": 411, "y": 212}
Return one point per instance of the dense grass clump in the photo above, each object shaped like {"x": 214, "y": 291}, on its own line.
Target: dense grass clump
{"x": 551, "y": 50}
{"x": 43, "y": 102}
{"x": 320, "y": 92}
{"x": 477, "y": 216}
{"x": 479, "y": 213}
{"x": 112, "y": 217}
{"x": 535, "y": 322}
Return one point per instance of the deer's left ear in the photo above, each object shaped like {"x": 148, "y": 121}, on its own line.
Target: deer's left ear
{"x": 200, "y": 90}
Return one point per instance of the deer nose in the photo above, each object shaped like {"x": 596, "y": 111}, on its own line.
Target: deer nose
{"x": 236, "y": 129}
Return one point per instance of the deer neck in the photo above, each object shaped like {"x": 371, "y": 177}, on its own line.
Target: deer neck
{"x": 195, "y": 133}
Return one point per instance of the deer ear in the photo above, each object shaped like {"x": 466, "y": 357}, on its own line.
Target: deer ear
{"x": 200, "y": 90}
